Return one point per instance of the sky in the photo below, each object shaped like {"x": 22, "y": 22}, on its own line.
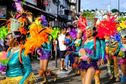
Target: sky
{"x": 103, "y": 4}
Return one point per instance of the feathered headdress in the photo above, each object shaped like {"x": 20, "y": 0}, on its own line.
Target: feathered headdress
{"x": 82, "y": 23}
{"x": 44, "y": 21}
{"x": 18, "y": 5}
{"x": 107, "y": 27}
{"x": 73, "y": 33}
{"x": 14, "y": 24}
{"x": 55, "y": 32}
{"x": 38, "y": 36}
{"x": 116, "y": 37}
{"x": 3, "y": 32}
{"x": 122, "y": 26}
{"x": 86, "y": 20}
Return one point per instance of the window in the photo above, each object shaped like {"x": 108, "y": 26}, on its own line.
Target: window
{"x": 72, "y": 1}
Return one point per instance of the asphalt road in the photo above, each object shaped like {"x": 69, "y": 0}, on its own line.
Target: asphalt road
{"x": 69, "y": 77}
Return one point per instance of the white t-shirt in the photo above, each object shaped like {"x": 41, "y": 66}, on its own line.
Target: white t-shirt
{"x": 61, "y": 39}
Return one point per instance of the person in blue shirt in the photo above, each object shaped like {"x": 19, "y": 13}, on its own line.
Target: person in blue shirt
{"x": 68, "y": 56}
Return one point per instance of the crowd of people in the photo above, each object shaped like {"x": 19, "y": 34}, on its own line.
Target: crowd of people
{"x": 84, "y": 46}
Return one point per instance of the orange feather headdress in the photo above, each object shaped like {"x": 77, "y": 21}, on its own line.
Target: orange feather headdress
{"x": 38, "y": 36}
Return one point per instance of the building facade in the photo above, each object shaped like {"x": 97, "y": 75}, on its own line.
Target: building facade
{"x": 56, "y": 11}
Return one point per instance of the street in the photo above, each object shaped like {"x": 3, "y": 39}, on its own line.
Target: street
{"x": 81, "y": 34}
{"x": 69, "y": 77}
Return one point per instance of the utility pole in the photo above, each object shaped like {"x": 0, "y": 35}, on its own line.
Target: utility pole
{"x": 119, "y": 5}
{"x": 57, "y": 3}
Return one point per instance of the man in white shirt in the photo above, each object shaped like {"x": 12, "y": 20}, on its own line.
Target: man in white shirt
{"x": 62, "y": 47}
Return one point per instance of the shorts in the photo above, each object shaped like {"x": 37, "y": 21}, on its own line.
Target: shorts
{"x": 84, "y": 65}
{"x": 62, "y": 54}
{"x": 122, "y": 61}
{"x": 45, "y": 55}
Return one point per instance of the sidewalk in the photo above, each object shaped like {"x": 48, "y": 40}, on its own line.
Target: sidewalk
{"x": 51, "y": 65}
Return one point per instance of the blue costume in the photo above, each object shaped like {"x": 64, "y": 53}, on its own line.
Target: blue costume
{"x": 18, "y": 72}
{"x": 69, "y": 44}
{"x": 102, "y": 50}
{"x": 92, "y": 52}
{"x": 45, "y": 51}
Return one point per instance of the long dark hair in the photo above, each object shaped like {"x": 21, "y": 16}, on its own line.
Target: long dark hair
{"x": 17, "y": 38}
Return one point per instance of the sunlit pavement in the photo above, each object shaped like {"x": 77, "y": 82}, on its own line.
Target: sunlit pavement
{"x": 68, "y": 77}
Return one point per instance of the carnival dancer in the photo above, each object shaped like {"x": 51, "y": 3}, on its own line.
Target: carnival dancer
{"x": 44, "y": 55}
{"x": 122, "y": 30}
{"x": 122, "y": 61}
{"x": 19, "y": 70}
{"x": 106, "y": 28}
{"x": 39, "y": 36}
{"x": 112, "y": 50}
{"x": 92, "y": 48}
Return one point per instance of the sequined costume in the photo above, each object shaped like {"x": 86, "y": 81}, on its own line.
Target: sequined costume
{"x": 122, "y": 54}
{"x": 45, "y": 51}
{"x": 91, "y": 52}
{"x": 112, "y": 50}
{"x": 17, "y": 72}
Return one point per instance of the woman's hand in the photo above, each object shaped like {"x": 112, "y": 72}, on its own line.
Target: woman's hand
{"x": 80, "y": 59}
{"x": 38, "y": 52}
{"x": 102, "y": 61}
{"x": 88, "y": 60}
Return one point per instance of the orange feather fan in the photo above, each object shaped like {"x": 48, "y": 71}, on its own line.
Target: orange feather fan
{"x": 38, "y": 36}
